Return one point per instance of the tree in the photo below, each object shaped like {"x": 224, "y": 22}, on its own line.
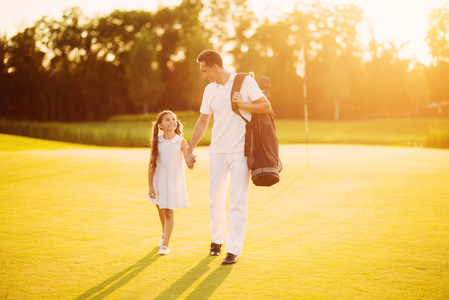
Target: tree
{"x": 76, "y": 68}
{"x": 226, "y": 20}
{"x": 438, "y": 41}
{"x": 27, "y": 76}
{"x": 181, "y": 37}
{"x": 142, "y": 73}
{"x": 417, "y": 89}
{"x": 328, "y": 34}
{"x": 335, "y": 59}
{"x": 194, "y": 38}
{"x": 5, "y": 95}
{"x": 87, "y": 62}
{"x": 438, "y": 33}
{"x": 385, "y": 82}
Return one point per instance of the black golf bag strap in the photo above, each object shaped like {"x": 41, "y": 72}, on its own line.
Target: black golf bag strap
{"x": 236, "y": 87}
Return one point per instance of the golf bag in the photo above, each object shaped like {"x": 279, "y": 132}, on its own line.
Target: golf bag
{"x": 261, "y": 143}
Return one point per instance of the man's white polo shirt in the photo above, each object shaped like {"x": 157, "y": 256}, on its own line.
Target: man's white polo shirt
{"x": 228, "y": 131}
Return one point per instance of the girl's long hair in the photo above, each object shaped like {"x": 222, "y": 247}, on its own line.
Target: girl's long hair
{"x": 155, "y": 133}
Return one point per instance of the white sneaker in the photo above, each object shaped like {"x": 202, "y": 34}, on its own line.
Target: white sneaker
{"x": 164, "y": 250}
{"x": 161, "y": 241}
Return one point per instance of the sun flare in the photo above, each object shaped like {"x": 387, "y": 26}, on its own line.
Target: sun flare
{"x": 401, "y": 21}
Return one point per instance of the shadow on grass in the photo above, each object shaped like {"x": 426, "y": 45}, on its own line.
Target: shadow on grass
{"x": 205, "y": 289}
{"x": 118, "y": 280}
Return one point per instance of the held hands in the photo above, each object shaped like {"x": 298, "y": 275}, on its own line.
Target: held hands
{"x": 190, "y": 160}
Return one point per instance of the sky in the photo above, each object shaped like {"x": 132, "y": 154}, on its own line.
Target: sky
{"x": 401, "y": 21}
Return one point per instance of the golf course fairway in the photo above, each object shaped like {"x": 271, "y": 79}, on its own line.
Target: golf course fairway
{"x": 360, "y": 222}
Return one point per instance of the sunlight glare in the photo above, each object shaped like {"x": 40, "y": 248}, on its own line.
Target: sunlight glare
{"x": 401, "y": 21}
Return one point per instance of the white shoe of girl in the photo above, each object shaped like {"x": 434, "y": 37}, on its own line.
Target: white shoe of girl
{"x": 164, "y": 250}
{"x": 161, "y": 241}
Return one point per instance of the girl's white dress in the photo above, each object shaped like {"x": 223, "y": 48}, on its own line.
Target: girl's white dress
{"x": 169, "y": 179}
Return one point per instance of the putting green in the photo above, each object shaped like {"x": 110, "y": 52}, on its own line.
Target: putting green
{"x": 359, "y": 222}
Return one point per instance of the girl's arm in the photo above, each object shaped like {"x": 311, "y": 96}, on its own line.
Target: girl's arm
{"x": 184, "y": 147}
{"x": 151, "y": 191}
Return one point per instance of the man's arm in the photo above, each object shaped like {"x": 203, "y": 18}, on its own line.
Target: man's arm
{"x": 259, "y": 106}
{"x": 197, "y": 135}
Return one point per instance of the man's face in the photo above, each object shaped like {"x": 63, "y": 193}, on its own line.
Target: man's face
{"x": 208, "y": 72}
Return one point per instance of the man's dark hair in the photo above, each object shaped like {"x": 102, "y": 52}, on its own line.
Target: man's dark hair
{"x": 211, "y": 58}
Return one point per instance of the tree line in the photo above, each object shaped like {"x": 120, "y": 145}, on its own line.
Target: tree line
{"x": 85, "y": 69}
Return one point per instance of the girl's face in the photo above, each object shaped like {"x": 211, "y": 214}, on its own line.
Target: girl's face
{"x": 168, "y": 123}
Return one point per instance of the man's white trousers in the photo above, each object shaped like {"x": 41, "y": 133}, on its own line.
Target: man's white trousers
{"x": 223, "y": 167}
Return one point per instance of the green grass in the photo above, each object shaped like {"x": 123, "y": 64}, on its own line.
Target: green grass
{"x": 397, "y": 132}
{"x": 361, "y": 222}
{"x": 121, "y": 131}
{"x": 18, "y": 143}
{"x": 133, "y": 131}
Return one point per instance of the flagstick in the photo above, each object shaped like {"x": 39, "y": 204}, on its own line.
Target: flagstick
{"x": 306, "y": 120}
{"x": 301, "y": 71}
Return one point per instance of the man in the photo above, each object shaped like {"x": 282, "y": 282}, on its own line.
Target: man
{"x": 226, "y": 151}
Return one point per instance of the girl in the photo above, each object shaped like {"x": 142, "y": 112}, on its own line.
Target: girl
{"x": 166, "y": 178}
